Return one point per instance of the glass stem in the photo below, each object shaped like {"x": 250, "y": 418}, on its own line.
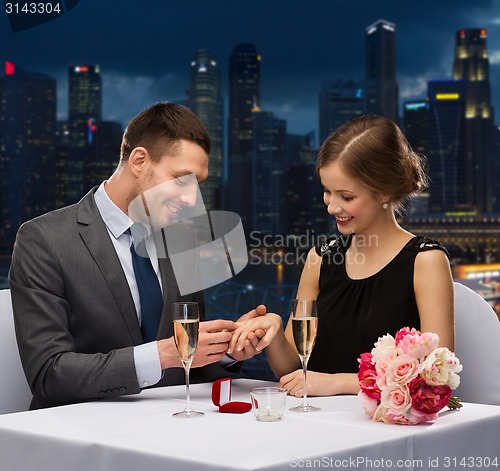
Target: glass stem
{"x": 304, "y": 368}
{"x": 188, "y": 396}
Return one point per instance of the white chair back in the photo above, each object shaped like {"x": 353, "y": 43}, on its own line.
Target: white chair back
{"x": 477, "y": 345}
{"x": 15, "y": 394}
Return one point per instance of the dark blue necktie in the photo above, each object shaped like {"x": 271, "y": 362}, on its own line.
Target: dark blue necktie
{"x": 149, "y": 291}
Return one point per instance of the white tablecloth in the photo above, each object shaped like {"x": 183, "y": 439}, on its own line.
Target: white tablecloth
{"x": 139, "y": 433}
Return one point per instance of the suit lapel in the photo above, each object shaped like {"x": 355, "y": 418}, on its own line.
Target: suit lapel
{"x": 96, "y": 238}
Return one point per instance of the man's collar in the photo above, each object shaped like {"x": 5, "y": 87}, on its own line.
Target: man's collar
{"x": 115, "y": 219}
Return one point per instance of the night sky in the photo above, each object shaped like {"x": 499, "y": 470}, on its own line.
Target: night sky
{"x": 144, "y": 47}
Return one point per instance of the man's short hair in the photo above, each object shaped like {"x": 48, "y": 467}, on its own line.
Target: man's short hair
{"x": 160, "y": 127}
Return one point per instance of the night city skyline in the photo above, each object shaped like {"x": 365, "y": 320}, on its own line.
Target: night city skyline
{"x": 133, "y": 54}
{"x": 144, "y": 49}
{"x": 268, "y": 134}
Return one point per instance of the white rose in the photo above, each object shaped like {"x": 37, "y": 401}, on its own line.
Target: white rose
{"x": 383, "y": 344}
{"x": 369, "y": 404}
{"x": 440, "y": 368}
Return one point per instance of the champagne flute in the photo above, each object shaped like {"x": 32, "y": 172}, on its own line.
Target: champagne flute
{"x": 186, "y": 324}
{"x": 304, "y": 326}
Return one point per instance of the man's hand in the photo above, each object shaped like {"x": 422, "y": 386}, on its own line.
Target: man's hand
{"x": 213, "y": 340}
{"x": 169, "y": 358}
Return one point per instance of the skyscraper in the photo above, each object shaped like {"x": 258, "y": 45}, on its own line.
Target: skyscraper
{"x": 62, "y": 156}
{"x": 103, "y": 152}
{"x": 471, "y": 65}
{"x": 268, "y": 173}
{"x": 339, "y": 101}
{"x": 244, "y": 102}
{"x": 305, "y": 210}
{"x": 449, "y": 188}
{"x": 300, "y": 148}
{"x": 27, "y": 163}
{"x": 497, "y": 168}
{"x": 382, "y": 87}
{"x": 206, "y": 102}
{"x": 244, "y": 98}
{"x": 84, "y": 112}
{"x": 416, "y": 129}
{"x": 416, "y": 124}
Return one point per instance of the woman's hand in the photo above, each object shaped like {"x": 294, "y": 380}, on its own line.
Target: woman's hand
{"x": 263, "y": 327}
{"x": 251, "y": 342}
{"x": 319, "y": 384}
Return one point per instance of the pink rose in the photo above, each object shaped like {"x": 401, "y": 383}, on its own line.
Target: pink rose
{"x": 402, "y": 333}
{"x": 391, "y": 418}
{"x": 407, "y": 379}
{"x": 412, "y": 417}
{"x": 402, "y": 370}
{"x": 415, "y": 417}
{"x": 396, "y": 398}
{"x": 367, "y": 376}
{"x": 383, "y": 364}
{"x": 426, "y": 398}
{"x": 415, "y": 344}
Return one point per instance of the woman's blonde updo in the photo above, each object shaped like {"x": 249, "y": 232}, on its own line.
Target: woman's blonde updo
{"x": 375, "y": 151}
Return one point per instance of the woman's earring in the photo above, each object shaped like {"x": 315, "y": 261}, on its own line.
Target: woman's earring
{"x": 385, "y": 205}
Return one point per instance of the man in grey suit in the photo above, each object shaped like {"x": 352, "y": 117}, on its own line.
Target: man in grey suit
{"x": 77, "y": 306}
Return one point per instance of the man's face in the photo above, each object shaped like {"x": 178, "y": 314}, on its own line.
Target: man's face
{"x": 165, "y": 187}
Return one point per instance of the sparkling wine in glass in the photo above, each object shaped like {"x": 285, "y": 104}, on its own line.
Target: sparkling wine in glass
{"x": 304, "y": 326}
{"x": 186, "y": 324}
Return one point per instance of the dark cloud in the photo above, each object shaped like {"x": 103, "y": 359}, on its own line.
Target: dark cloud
{"x": 144, "y": 47}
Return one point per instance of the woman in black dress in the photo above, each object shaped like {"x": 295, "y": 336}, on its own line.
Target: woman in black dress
{"x": 373, "y": 279}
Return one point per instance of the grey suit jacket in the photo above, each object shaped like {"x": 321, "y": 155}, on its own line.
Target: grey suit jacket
{"x": 75, "y": 318}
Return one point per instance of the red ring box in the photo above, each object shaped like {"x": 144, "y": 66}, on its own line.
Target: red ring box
{"x": 221, "y": 397}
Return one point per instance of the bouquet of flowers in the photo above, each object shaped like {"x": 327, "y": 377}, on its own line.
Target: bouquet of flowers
{"x": 408, "y": 379}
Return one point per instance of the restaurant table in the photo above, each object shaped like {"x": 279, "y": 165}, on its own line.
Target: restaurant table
{"x": 138, "y": 432}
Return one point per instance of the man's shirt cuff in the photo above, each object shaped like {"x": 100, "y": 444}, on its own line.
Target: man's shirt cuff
{"x": 147, "y": 364}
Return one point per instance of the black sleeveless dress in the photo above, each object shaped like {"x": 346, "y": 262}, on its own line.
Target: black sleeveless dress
{"x": 353, "y": 314}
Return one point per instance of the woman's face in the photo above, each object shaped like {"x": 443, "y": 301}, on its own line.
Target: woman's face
{"x": 355, "y": 206}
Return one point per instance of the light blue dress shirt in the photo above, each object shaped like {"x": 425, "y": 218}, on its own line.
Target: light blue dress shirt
{"x": 146, "y": 358}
